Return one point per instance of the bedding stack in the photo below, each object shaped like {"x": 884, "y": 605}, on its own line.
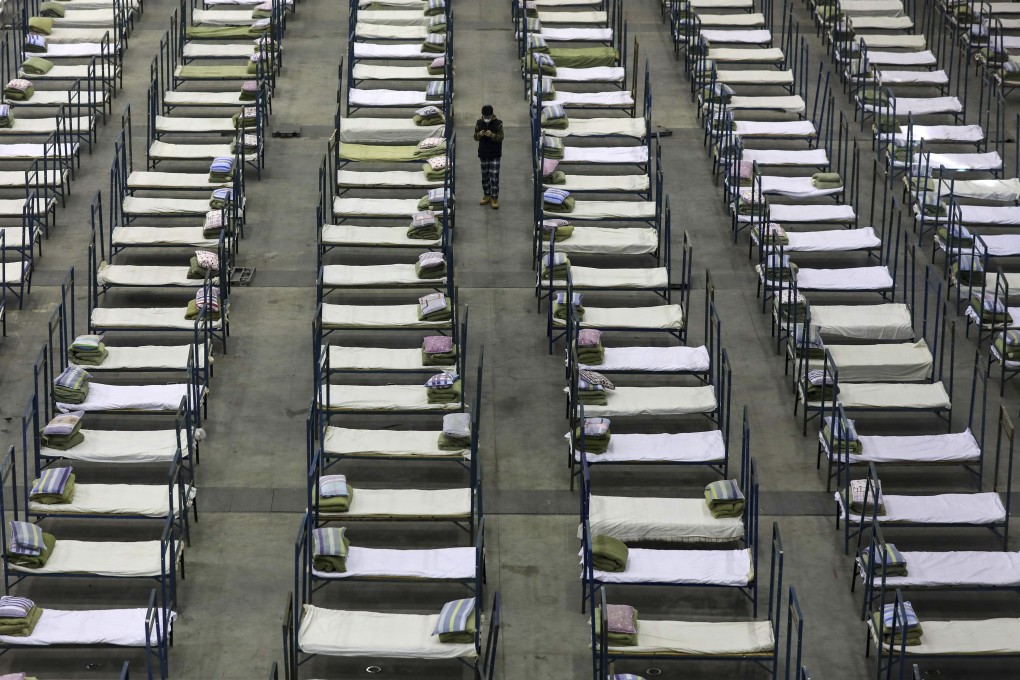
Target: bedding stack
{"x": 443, "y": 388}
{"x": 895, "y": 631}
{"x": 54, "y": 486}
{"x": 725, "y": 499}
{"x": 71, "y": 386}
{"x": 18, "y": 616}
{"x": 63, "y": 432}
{"x": 87, "y": 350}
{"x": 334, "y": 494}
{"x": 28, "y": 546}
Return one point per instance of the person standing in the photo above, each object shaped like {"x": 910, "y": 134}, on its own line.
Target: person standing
{"x": 489, "y": 135}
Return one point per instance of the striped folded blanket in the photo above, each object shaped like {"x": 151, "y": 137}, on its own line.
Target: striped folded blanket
{"x": 29, "y": 557}
{"x": 71, "y": 386}
{"x": 889, "y": 560}
{"x": 436, "y": 24}
{"x": 62, "y": 493}
{"x": 333, "y": 494}
{"x": 329, "y": 549}
{"x": 843, "y": 434}
{"x": 596, "y": 434}
{"x": 434, "y": 43}
{"x": 907, "y": 632}
{"x": 26, "y": 539}
{"x": 820, "y": 386}
{"x": 560, "y": 308}
{"x": 456, "y": 623}
{"x": 35, "y": 43}
{"x": 990, "y": 309}
{"x": 724, "y": 499}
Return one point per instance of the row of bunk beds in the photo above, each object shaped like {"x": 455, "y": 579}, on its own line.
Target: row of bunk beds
{"x": 614, "y": 285}
{"x": 396, "y": 380}
{"x": 104, "y": 472}
{"x": 868, "y": 332}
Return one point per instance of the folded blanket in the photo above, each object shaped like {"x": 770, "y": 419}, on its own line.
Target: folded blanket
{"x": 456, "y": 433}
{"x": 1008, "y": 345}
{"x": 262, "y": 11}
{"x": 35, "y": 43}
{"x": 592, "y": 397}
{"x": 439, "y": 358}
{"x": 434, "y": 43}
{"x": 562, "y": 228}
{"x": 608, "y": 553}
{"x": 955, "y": 236}
{"x": 544, "y": 64}
{"x": 778, "y": 268}
{"x": 622, "y": 622}
{"x": 436, "y": 24}
{"x": 444, "y": 395}
{"x": 889, "y": 618}
{"x": 63, "y": 424}
{"x": 826, "y": 180}
{"x": 456, "y": 622}
{"x": 71, "y": 386}
{"x": 435, "y": 149}
{"x": 66, "y": 495}
{"x": 566, "y": 206}
{"x": 990, "y": 310}
{"x": 435, "y": 8}
{"x": 196, "y": 270}
{"x": 591, "y": 355}
{"x": 596, "y": 434}
{"x": 552, "y": 147}
{"x": 724, "y": 499}
{"x": 19, "y": 90}
{"x": 329, "y": 549}
{"x": 557, "y": 265}
{"x": 40, "y": 25}
{"x": 36, "y": 66}
{"x": 555, "y": 117}
{"x": 88, "y": 357}
{"x": 437, "y": 313}
{"x": 64, "y": 442}
{"x": 429, "y": 115}
{"x": 52, "y": 9}
{"x": 333, "y": 503}
{"x": 856, "y": 503}
{"x": 846, "y": 435}
{"x": 34, "y": 561}
{"x": 21, "y": 627}
{"x": 560, "y": 311}
{"x": 772, "y": 234}
{"x": 424, "y": 272}
{"x": 889, "y": 560}
{"x": 192, "y": 312}
{"x": 247, "y": 117}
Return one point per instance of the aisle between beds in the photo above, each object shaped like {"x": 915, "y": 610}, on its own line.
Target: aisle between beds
{"x": 741, "y": 640}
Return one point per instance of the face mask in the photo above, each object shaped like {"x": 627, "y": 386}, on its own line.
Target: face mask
{"x": 487, "y": 119}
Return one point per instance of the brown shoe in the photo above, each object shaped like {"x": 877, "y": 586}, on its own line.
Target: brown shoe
{"x": 495, "y": 204}
{"x": 485, "y": 200}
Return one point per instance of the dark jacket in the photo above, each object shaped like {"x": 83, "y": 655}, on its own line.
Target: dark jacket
{"x": 489, "y": 147}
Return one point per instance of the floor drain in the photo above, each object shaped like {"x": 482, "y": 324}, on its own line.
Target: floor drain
{"x": 374, "y": 669}
{"x": 653, "y": 671}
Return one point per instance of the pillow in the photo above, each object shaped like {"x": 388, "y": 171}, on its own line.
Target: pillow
{"x": 555, "y": 196}
{"x": 596, "y": 378}
{"x": 439, "y": 195}
{"x": 20, "y": 84}
{"x": 223, "y": 195}
{"x": 454, "y": 616}
{"x": 589, "y": 337}
{"x": 457, "y": 425}
{"x": 438, "y": 62}
{"x": 87, "y": 343}
{"x": 330, "y": 541}
{"x": 433, "y": 302}
{"x": 554, "y": 112}
{"x": 208, "y": 260}
{"x": 536, "y": 43}
{"x": 210, "y": 300}
{"x": 620, "y": 619}
{"x": 436, "y": 88}
{"x": 596, "y": 427}
{"x": 213, "y": 220}
{"x": 423, "y": 218}
{"x": 431, "y": 260}
{"x": 543, "y": 59}
{"x": 26, "y": 539}
{"x": 64, "y": 424}
{"x": 51, "y": 481}
{"x": 431, "y": 142}
{"x": 744, "y": 169}
{"x": 428, "y": 111}
{"x": 441, "y": 381}
{"x": 551, "y": 224}
{"x": 561, "y": 299}
{"x": 549, "y": 142}
{"x": 543, "y": 84}
{"x": 724, "y": 490}
{"x": 437, "y": 162}
{"x": 331, "y": 486}
{"x": 71, "y": 377}
{"x": 36, "y": 41}
{"x": 549, "y": 166}
{"x": 436, "y": 39}
{"x": 437, "y": 344}
{"x": 261, "y": 23}
{"x": 15, "y": 607}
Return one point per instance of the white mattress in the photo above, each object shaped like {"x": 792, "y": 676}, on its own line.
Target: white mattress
{"x": 920, "y": 106}
{"x": 147, "y": 500}
{"x": 662, "y": 317}
{"x": 602, "y": 127}
{"x": 143, "y": 179}
{"x": 802, "y": 157}
{"x": 16, "y": 178}
{"x": 786, "y": 128}
{"x": 655, "y": 401}
{"x": 834, "y": 240}
{"x": 192, "y": 98}
{"x": 659, "y": 519}
{"x": 347, "y": 234}
{"x": 432, "y": 563}
{"x": 902, "y": 362}
{"x": 170, "y": 318}
{"x": 574, "y": 18}
{"x": 145, "y": 275}
{"x": 33, "y": 151}
{"x": 754, "y": 77}
{"x": 811, "y": 214}
{"x": 375, "y": 207}
{"x": 882, "y": 23}
{"x": 999, "y": 245}
{"x": 375, "y": 275}
{"x": 700, "y": 638}
{"x": 961, "y": 161}
{"x": 383, "y": 32}
{"x": 421, "y": 504}
{"x": 375, "y": 316}
{"x": 343, "y": 441}
{"x": 577, "y": 34}
{"x": 376, "y": 358}
{"x": 605, "y": 154}
{"x": 147, "y": 357}
{"x": 986, "y": 189}
{"x": 683, "y": 567}
{"x": 940, "y": 133}
{"x": 653, "y": 359}
{"x": 75, "y": 36}
{"x": 845, "y": 279}
{"x": 375, "y": 634}
{"x": 737, "y": 55}
{"x": 130, "y": 398}
{"x": 871, "y": 8}
{"x": 608, "y": 210}
{"x": 221, "y": 17}
{"x": 608, "y": 240}
{"x": 991, "y": 215}
{"x": 135, "y": 559}
{"x": 864, "y": 322}
{"x": 891, "y": 77}
{"x": 385, "y": 51}
{"x": 893, "y": 395}
{"x": 684, "y": 447}
{"x": 45, "y": 126}
{"x": 958, "y": 569}
{"x": 956, "y": 447}
{"x": 386, "y": 131}
{"x": 165, "y": 236}
{"x": 948, "y": 508}
{"x": 732, "y": 37}
{"x": 121, "y": 446}
{"x": 719, "y": 4}
{"x": 969, "y": 638}
{"x": 390, "y": 178}
{"x": 206, "y": 50}
{"x": 628, "y": 183}
{"x": 114, "y": 627}
{"x": 594, "y": 74}
{"x": 89, "y": 18}
{"x": 787, "y": 103}
{"x": 904, "y": 41}
{"x": 794, "y": 187}
{"x": 613, "y": 98}
{"x": 381, "y": 398}
{"x": 919, "y": 58}
{"x": 71, "y": 50}
{"x": 592, "y": 278}
{"x": 391, "y": 17}
{"x": 358, "y": 96}
{"x": 742, "y": 20}
{"x": 180, "y": 124}
{"x": 198, "y": 152}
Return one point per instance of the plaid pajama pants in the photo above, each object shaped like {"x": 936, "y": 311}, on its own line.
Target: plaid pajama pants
{"x": 490, "y": 176}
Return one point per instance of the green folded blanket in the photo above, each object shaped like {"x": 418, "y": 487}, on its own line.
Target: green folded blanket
{"x": 423, "y": 154}
{"x": 858, "y": 509}
{"x": 71, "y": 396}
{"x": 56, "y": 499}
{"x": 555, "y": 124}
{"x": 989, "y": 317}
{"x": 15, "y": 95}
{"x": 779, "y": 273}
{"x": 893, "y": 563}
{"x": 592, "y": 397}
{"x": 560, "y": 311}
{"x": 583, "y": 57}
{"x": 35, "y": 561}
{"x": 445, "y": 395}
{"x": 195, "y": 270}
{"x": 596, "y": 445}
{"x": 242, "y": 121}
{"x": 954, "y": 241}
{"x": 433, "y": 175}
{"x": 448, "y": 443}
{"x": 723, "y": 506}
{"x": 443, "y": 359}
{"x": 21, "y": 627}
{"x": 40, "y": 25}
{"x": 559, "y": 271}
{"x": 461, "y": 637}
{"x": 556, "y": 177}
{"x": 1011, "y": 352}
{"x": 63, "y": 442}
{"x": 966, "y": 276}
{"x": 528, "y": 64}
{"x": 591, "y": 355}
{"x": 437, "y": 119}
{"x": 52, "y": 9}
{"x": 820, "y": 392}
{"x": 562, "y": 233}
{"x": 608, "y": 553}
{"x": 433, "y": 48}
{"x": 334, "y": 503}
{"x": 444, "y": 315}
{"x": 565, "y": 207}
{"x": 914, "y": 635}
{"x": 430, "y": 273}
{"x": 90, "y": 358}
{"x": 553, "y": 152}
{"x": 223, "y": 32}
{"x": 192, "y": 312}
{"x": 430, "y": 232}
{"x": 854, "y": 446}
{"x": 36, "y": 66}
{"x": 334, "y": 564}
{"x": 616, "y": 639}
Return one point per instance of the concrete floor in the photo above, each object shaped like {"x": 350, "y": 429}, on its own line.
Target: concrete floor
{"x": 252, "y": 473}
